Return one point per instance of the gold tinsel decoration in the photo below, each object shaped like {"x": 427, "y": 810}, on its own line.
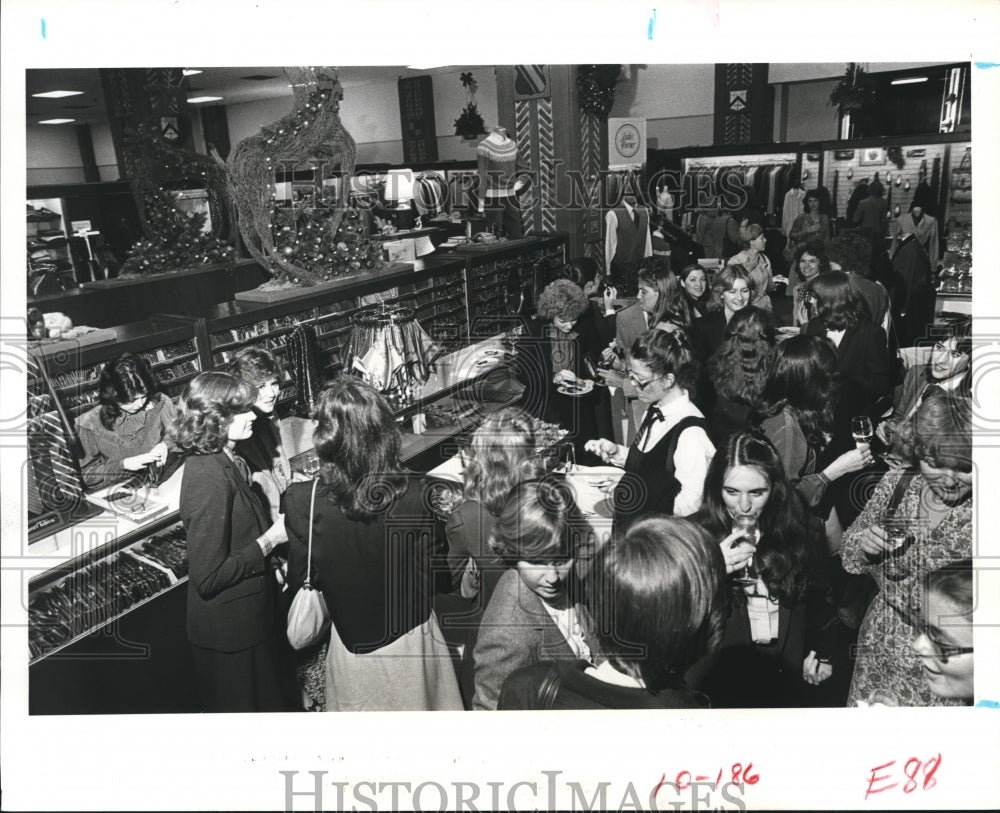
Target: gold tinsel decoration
{"x": 312, "y": 132}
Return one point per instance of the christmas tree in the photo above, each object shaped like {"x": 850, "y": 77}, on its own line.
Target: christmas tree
{"x": 179, "y": 240}
{"x": 307, "y": 240}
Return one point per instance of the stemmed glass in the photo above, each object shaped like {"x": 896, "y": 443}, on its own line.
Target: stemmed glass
{"x": 751, "y": 533}
{"x": 861, "y": 429}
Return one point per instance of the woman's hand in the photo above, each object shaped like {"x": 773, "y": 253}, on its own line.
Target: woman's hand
{"x": 874, "y": 541}
{"x": 610, "y": 295}
{"x": 736, "y": 553}
{"x": 850, "y": 461}
{"x": 159, "y": 453}
{"x": 273, "y": 536}
{"x": 607, "y": 450}
{"x": 139, "y": 462}
{"x": 815, "y": 670}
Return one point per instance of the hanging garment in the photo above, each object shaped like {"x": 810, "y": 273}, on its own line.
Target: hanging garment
{"x": 792, "y": 208}
{"x": 303, "y": 351}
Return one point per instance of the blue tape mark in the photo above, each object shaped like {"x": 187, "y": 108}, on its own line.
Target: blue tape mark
{"x": 987, "y": 704}
{"x": 985, "y": 65}
{"x": 43, "y": 28}
{"x": 652, "y": 22}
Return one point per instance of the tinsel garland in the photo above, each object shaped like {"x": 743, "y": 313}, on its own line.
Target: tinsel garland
{"x": 312, "y": 132}
{"x": 597, "y": 87}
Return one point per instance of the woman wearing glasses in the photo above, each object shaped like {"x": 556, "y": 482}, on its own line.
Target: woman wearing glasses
{"x": 665, "y": 465}
{"x": 127, "y": 432}
{"x": 913, "y": 523}
{"x": 944, "y": 632}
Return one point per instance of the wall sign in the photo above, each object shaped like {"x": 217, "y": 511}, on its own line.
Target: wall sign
{"x": 626, "y": 143}
{"x": 844, "y": 155}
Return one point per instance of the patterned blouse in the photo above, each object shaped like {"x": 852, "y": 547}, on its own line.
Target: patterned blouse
{"x": 105, "y": 449}
{"x": 885, "y": 658}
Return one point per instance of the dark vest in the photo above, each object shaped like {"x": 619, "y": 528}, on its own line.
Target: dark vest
{"x": 631, "y": 238}
{"x": 650, "y": 485}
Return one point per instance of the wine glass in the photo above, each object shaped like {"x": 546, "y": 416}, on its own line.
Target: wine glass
{"x": 900, "y": 539}
{"x": 862, "y": 429}
{"x": 747, "y": 523}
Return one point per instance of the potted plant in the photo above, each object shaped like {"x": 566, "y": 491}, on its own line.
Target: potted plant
{"x": 470, "y": 124}
{"x": 854, "y": 91}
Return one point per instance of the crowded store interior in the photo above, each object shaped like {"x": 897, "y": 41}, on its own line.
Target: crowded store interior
{"x": 499, "y": 387}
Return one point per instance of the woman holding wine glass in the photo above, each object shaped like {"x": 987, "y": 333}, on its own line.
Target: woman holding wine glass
{"x": 914, "y": 522}
{"x": 771, "y": 548}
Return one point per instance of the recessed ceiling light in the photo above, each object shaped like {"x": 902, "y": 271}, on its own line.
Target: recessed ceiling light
{"x": 203, "y": 99}
{"x": 190, "y": 71}
{"x": 57, "y": 94}
{"x": 57, "y": 121}
{"x": 910, "y": 81}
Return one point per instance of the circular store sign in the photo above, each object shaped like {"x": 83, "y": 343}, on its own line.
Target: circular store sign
{"x": 627, "y": 140}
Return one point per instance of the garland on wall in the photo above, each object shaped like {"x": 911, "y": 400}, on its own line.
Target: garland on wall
{"x": 317, "y": 243}
{"x": 597, "y": 88}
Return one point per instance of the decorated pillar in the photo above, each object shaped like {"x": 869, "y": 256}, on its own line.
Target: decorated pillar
{"x": 562, "y": 145}
{"x": 742, "y": 103}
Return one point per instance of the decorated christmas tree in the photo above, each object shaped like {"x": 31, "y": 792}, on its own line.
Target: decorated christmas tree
{"x": 309, "y": 240}
{"x": 179, "y": 240}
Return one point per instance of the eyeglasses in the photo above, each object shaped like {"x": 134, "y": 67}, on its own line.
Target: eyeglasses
{"x": 942, "y": 652}
{"x": 641, "y": 385}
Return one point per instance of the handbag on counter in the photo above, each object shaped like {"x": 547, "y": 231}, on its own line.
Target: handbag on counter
{"x": 961, "y": 180}
{"x": 308, "y": 617}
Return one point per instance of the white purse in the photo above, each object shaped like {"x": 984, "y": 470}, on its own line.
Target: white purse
{"x": 308, "y": 617}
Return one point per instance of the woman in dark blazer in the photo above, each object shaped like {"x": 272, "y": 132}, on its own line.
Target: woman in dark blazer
{"x": 232, "y": 592}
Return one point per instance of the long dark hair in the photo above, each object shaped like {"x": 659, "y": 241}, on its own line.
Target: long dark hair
{"x": 124, "y": 379}
{"x": 803, "y": 380}
{"x": 671, "y": 305}
{"x": 740, "y": 367}
{"x": 785, "y": 552}
{"x": 358, "y": 442}
{"x": 839, "y": 303}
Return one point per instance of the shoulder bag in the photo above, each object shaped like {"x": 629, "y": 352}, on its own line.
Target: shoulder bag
{"x": 308, "y": 617}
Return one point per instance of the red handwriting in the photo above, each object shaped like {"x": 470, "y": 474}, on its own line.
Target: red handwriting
{"x": 738, "y": 775}
{"x": 919, "y": 774}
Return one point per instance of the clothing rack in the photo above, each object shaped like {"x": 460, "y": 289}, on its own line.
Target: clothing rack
{"x": 389, "y": 349}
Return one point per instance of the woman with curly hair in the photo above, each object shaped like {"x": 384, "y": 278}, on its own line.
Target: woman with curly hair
{"x": 755, "y": 261}
{"x": 763, "y": 660}
{"x": 559, "y": 364}
{"x": 232, "y": 591}
{"x": 796, "y": 414}
{"x": 812, "y": 225}
{"x": 738, "y": 372}
{"x": 914, "y": 522}
{"x": 128, "y": 431}
{"x": 373, "y": 543}
{"x": 808, "y": 261}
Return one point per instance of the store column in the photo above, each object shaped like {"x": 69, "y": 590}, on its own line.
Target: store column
{"x": 560, "y": 145}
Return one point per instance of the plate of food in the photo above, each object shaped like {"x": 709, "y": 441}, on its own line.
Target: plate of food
{"x": 577, "y": 387}
{"x": 788, "y": 330}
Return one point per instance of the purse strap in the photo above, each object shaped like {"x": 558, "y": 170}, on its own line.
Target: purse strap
{"x": 309, "y": 555}
{"x": 897, "y": 495}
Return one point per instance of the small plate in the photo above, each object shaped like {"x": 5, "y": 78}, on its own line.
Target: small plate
{"x": 489, "y": 361}
{"x": 575, "y": 389}
{"x": 788, "y": 330}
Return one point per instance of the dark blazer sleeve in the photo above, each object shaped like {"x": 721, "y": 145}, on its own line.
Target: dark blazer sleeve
{"x": 876, "y": 371}
{"x": 216, "y": 560}
{"x": 295, "y": 507}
